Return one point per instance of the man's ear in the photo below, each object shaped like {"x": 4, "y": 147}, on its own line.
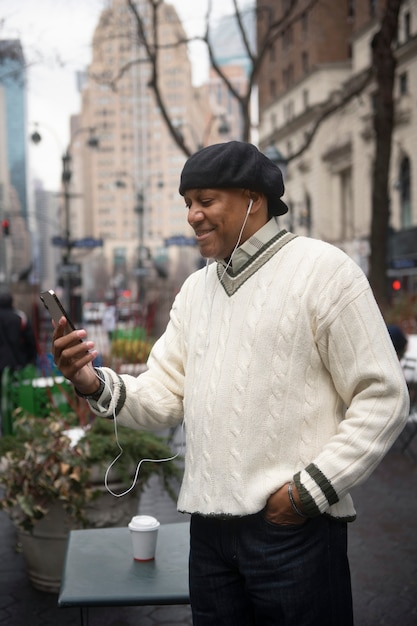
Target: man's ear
{"x": 259, "y": 201}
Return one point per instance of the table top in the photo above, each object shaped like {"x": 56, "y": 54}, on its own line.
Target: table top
{"x": 99, "y": 569}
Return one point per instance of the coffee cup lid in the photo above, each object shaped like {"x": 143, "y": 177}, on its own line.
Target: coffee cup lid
{"x": 143, "y": 522}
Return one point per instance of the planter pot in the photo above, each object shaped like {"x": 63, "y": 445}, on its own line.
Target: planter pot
{"x": 44, "y": 548}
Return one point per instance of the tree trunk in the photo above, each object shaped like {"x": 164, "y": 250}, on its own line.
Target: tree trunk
{"x": 384, "y": 65}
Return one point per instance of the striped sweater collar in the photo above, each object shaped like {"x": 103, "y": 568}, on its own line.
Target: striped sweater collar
{"x": 233, "y": 280}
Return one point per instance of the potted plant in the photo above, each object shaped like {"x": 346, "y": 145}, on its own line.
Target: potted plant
{"x": 52, "y": 480}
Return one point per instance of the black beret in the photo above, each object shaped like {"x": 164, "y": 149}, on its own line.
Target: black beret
{"x": 235, "y": 164}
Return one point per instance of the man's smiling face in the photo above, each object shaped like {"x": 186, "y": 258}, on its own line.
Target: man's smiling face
{"x": 217, "y": 216}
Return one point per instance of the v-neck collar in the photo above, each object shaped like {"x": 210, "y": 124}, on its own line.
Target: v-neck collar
{"x": 232, "y": 281}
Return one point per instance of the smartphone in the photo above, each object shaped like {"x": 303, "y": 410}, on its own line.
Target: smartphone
{"x": 55, "y": 308}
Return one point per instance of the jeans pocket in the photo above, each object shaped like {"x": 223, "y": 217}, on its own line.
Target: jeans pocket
{"x": 265, "y": 520}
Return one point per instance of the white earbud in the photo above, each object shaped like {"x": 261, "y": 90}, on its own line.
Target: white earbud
{"x": 249, "y": 206}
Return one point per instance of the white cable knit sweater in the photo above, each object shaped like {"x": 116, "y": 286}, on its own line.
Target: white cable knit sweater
{"x": 261, "y": 368}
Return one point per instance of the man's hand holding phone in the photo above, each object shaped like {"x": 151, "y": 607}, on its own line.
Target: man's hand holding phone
{"x": 73, "y": 354}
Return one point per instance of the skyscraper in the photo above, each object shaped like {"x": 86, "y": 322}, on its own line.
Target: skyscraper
{"x": 13, "y": 80}
{"x": 14, "y": 240}
{"x": 130, "y": 184}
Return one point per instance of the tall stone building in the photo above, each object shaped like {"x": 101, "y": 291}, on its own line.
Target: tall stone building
{"x": 129, "y": 183}
{"x": 15, "y": 248}
{"x": 320, "y": 54}
{"x": 314, "y": 43}
{"x": 47, "y": 259}
{"x": 13, "y": 80}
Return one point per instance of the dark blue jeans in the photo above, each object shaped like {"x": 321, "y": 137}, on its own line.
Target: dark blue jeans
{"x": 249, "y": 572}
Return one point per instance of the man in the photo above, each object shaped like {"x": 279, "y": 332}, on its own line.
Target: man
{"x": 17, "y": 341}
{"x": 278, "y": 361}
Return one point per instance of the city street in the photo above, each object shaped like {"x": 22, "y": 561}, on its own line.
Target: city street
{"x": 382, "y": 548}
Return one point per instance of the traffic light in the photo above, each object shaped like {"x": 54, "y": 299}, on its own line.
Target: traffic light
{"x": 396, "y": 288}
{"x": 5, "y": 227}
{"x": 396, "y": 285}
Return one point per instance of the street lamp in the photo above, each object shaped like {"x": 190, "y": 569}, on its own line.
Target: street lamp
{"x": 222, "y": 129}
{"x": 67, "y": 273}
{"x": 139, "y": 209}
{"x": 179, "y": 131}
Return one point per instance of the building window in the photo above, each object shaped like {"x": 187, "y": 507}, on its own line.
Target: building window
{"x": 373, "y": 7}
{"x": 289, "y": 110}
{"x": 351, "y": 8}
{"x": 349, "y": 50}
{"x": 304, "y": 23}
{"x": 403, "y": 84}
{"x": 287, "y": 37}
{"x": 347, "y": 229}
{"x": 288, "y": 76}
{"x": 407, "y": 26}
{"x": 405, "y": 193}
{"x": 272, "y": 88}
{"x": 305, "y": 214}
{"x": 291, "y": 73}
{"x": 305, "y": 98}
{"x": 304, "y": 62}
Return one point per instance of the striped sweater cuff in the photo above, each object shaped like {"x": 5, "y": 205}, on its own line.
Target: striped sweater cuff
{"x": 308, "y": 503}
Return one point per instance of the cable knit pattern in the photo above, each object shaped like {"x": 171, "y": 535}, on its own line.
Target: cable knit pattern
{"x": 262, "y": 376}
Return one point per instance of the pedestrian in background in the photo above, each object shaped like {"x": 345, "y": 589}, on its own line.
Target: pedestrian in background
{"x": 399, "y": 339}
{"x": 109, "y": 320}
{"x": 17, "y": 340}
{"x": 277, "y": 359}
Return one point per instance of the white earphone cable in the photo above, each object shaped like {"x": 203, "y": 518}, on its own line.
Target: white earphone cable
{"x": 139, "y": 465}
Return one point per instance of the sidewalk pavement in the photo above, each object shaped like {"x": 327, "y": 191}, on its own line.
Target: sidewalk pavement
{"x": 382, "y": 548}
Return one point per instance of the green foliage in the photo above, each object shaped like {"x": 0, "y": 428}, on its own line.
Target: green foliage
{"x": 39, "y": 465}
{"x": 101, "y": 448}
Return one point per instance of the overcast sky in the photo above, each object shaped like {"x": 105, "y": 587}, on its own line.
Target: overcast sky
{"x": 56, "y": 36}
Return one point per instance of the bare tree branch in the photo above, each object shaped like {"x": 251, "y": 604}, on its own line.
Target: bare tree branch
{"x": 113, "y": 80}
{"x": 275, "y": 29}
{"x": 339, "y": 100}
{"x": 382, "y": 73}
{"x": 152, "y": 50}
{"x": 148, "y": 38}
{"x": 243, "y": 33}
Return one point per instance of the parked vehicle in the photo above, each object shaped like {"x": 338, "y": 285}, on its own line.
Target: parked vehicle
{"x": 93, "y": 312}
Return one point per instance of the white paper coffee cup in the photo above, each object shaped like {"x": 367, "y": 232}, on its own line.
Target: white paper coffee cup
{"x": 144, "y": 533}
